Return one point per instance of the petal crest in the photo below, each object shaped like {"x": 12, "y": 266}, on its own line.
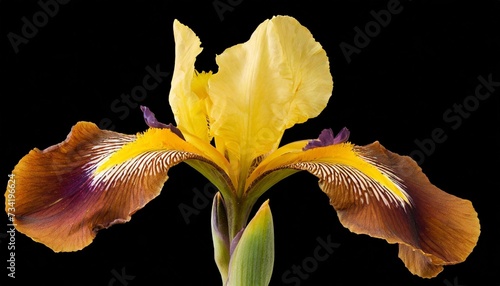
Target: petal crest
{"x": 327, "y": 138}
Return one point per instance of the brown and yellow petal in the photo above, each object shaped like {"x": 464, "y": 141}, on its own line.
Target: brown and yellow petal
{"x": 92, "y": 180}
{"x": 442, "y": 229}
{"x": 384, "y": 195}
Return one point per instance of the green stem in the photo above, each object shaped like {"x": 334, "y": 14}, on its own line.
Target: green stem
{"x": 238, "y": 212}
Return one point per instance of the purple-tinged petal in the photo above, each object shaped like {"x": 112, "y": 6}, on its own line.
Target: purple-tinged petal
{"x": 342, "y": 136}
{"x": 327, "y": 138}
{"x": 93, "y": 180}
{"x": 150, "y": 118}
{"x": 152, "y": 122}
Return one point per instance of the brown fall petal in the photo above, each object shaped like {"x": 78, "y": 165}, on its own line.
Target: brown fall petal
{"x": 61, "y": 201}
{"x": 436, "y": 229}
{"x": 385, "y": 195}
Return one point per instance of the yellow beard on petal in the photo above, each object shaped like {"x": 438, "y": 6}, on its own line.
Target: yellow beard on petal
{"x": 161, "y": 140}
{"x": 346, "y": 155}
{"x": 340, "y": 154}
{"x": 153, "y": 139}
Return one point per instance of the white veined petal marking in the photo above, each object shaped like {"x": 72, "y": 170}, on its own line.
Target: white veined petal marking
{"x": 359, "y": 186}
{"x": 146, "y": 164}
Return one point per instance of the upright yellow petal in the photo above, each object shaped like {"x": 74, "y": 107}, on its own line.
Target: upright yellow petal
{"x": 278, "y": 78}
{"x": 188, "y": 106}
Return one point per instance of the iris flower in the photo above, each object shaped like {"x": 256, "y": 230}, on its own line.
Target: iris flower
{"x": 229, "y": 126}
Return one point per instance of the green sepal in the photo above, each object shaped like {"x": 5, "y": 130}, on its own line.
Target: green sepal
{"x": 252, "y": 260}
{"x": 220, "y": 235}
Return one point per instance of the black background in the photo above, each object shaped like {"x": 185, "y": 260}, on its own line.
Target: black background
{"x": 395, "y": 90}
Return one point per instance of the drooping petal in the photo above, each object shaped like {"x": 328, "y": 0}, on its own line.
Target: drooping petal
{"x": 94, "y": 179}
{"x": 276, "y": 79}
{"x": 384, "y": 195}
{"x": 186, "y": 98}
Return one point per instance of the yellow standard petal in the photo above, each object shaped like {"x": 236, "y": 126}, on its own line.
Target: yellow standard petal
{"x": 276, "y": 79}
{"x": 188, "y": 88}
